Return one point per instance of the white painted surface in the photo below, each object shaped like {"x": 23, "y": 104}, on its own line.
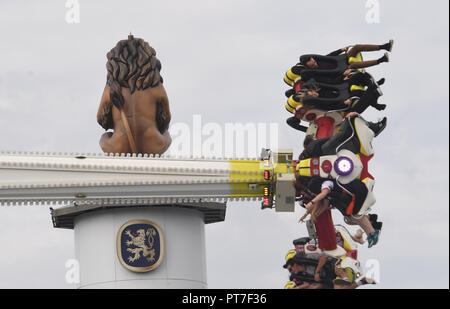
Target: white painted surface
{"x": 184, "y": 263}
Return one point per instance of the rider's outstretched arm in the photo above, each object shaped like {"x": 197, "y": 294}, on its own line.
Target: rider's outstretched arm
{"x": 313, "y": 206}
{"x": 320, "y": 264}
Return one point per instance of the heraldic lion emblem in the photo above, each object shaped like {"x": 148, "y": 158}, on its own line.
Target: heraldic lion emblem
{"x": 140, "y": 245}
{"x": 139, "y": 240}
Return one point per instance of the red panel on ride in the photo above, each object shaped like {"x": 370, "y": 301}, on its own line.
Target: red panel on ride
{"x": 365, "y": 162}
{"x": 353, "y": 254}
{"x": 325, "y": 127}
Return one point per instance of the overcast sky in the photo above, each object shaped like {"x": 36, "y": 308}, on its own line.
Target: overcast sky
{"x": 225, "y": 61}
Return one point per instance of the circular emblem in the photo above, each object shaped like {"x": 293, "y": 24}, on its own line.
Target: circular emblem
{"x": 140, "y": 245}
{"x": 326, "y": 166}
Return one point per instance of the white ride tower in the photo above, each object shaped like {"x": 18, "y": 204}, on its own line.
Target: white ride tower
{"x": 139, "y": 220}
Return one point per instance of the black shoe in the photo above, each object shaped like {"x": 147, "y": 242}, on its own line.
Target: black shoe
{"x": 378, "y": 127}
{"x": 380, "y": 107}
{"x": 388, "y": 46}
{"x": 377, "y": 225}
{"x": 381, "y": 81}
{"x": 385, "y": 58}
{"x": 373, "y": 218}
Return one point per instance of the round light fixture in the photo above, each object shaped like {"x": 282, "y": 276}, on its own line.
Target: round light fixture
{"x": 343, "y": 166}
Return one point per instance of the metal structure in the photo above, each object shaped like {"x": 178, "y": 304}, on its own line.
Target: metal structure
{"x": 98, "y": 195}
{"x": 108, "y": 180}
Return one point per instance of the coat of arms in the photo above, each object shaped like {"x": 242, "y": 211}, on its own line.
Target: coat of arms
{"x": 140, "y": 245}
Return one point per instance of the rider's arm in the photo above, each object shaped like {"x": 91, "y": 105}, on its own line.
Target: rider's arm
{"x": 320, "y": 264}
{"x": 304, "y": 285}
{"x": 311, "y": 206}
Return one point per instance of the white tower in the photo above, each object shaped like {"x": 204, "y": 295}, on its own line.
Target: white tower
{"x": 182, "y": 250}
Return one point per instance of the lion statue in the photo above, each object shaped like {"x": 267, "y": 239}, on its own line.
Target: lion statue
{"x": 134, "y": 104}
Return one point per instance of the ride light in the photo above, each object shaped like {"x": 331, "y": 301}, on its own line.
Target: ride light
{"x": 267, "y": 199}
{"x": 267, "y": 202}
{"x": 343, "y": 166}
{"x": 266, "y": 175}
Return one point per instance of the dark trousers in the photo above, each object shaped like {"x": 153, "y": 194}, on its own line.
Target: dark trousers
{"x": 360, "y": 78}
{"x": 368, "y": 98}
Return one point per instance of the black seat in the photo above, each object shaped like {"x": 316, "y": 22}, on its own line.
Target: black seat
{"x": 301, "y": 241}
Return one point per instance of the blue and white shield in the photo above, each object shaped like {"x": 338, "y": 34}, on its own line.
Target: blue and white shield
{"x": 140, "y": 245}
